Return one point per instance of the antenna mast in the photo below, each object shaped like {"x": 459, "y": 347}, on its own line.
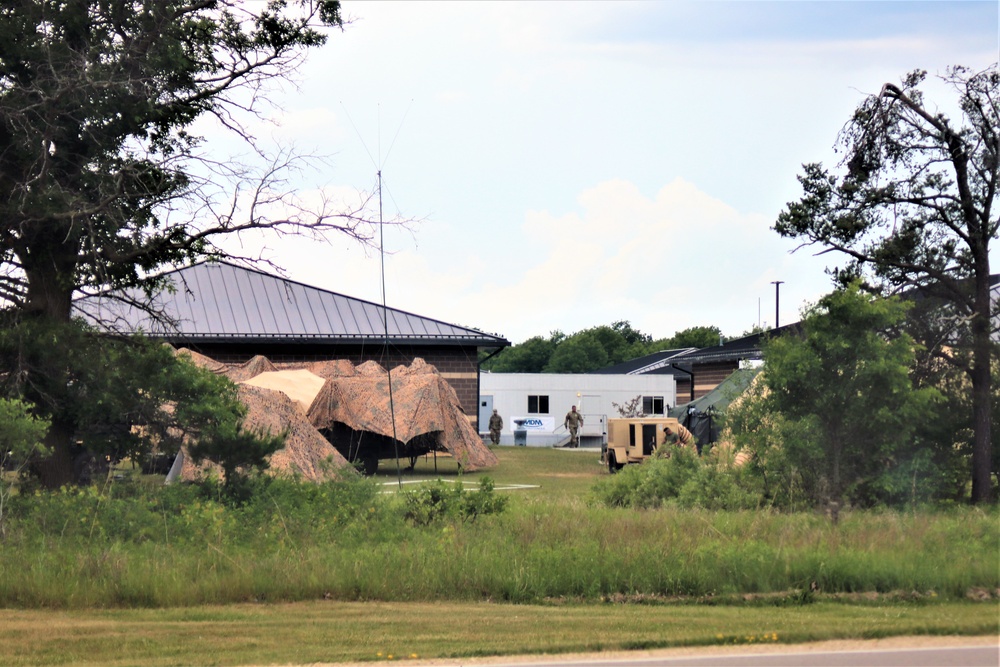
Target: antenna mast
{"x": 381, "y": 248}
{"x": 385, "y": 322}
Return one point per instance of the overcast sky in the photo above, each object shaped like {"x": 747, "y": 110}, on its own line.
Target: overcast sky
{"x": 572, "y": 164}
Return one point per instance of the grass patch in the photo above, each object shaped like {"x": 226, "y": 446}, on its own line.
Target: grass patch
{"x": 130, "y": 546}
{"x": 555, "y": 475}
{"x": 312, "y": 632}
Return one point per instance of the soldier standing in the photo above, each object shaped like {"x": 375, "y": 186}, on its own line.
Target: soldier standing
{"x": 496, "y": 425}
{"x": 573, "y": 422}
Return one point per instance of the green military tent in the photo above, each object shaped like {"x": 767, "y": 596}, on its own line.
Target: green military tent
{"x": 701, "y": 416}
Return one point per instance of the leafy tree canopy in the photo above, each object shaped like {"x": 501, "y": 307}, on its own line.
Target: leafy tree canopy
{"x": 698, "y": 337}
{"x": 578, "y": 354}
{"x": 592, "y": 349}
{"x": 531, "y": 356}
{"x": 844, "y": 388}
{"x": 911, "y": 208}
{"x": 122, "y": 397}
{"x": 104, "y": 182}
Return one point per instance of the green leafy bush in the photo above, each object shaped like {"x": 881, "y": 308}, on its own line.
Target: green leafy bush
{"x": 276, "y": 511}
{"x": 437, "y": 501}
{"x": 684, "y": 479}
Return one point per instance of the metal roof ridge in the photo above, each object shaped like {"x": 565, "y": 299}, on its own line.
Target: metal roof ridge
{"x": 337, "y": 294}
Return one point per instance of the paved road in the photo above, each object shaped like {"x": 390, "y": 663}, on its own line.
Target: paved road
{"x": 957, "y": 656}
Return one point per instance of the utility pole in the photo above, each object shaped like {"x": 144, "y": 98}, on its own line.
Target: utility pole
{"x": 777, "y": 300}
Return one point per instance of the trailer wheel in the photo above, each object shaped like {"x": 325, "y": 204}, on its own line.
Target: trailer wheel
{"x": 613, "y": 466}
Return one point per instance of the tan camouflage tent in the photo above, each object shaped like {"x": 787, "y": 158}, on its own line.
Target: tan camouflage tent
{"x": 201, "y": 360}
{"x": 250, "y": 369}
{"x": 424, "y": 408}
{"x": 300, "y": 385}
{"x": 306, "y": 453}
{"x": 346, "y": 402}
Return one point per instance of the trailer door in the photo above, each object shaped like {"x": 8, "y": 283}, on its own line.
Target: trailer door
{"x": 648, "y": 439}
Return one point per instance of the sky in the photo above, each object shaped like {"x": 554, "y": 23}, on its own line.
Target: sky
{"x": 566, "y": 165}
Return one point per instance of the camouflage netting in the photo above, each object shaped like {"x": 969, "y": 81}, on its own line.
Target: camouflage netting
{"x": 306, "y": 454}
{"x": 423, "y": 403}
{"x": 310, "y": 396}
{"x": 332, "y": 369}
{"x": 201, "y": 361}
{"x": 300, "y": 385}
{"x": 250, "y": 369}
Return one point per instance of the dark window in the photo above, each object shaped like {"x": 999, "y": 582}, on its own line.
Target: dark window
{"x": 652, "y": 405}
{"x": 538, "y": 405}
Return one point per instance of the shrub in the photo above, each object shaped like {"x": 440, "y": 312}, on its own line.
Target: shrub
{"x": 437, "y": 501}
{"x": 684, "y": 479}
{"x": 21, "y": 434}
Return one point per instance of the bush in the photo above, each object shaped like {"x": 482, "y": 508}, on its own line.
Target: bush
{"x": 437, "y": 501}
{"x": 21, "y": 434}
{"x": 275, "y": 511}
{"x": 684, "y": 479}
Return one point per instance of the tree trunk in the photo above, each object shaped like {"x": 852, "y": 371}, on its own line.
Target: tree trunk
{"x": 58, "y": 468}
{"x": 50, "y": 280}
{"x": 50, "y": 298}
{"x": 982, "y": 399}
{"x": 836, "y": 450}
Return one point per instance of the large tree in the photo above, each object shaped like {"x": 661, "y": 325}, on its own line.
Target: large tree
{"x": 530, "y": 356}
{"x": 103, "y": 180}
{"x": 911, "y": 207}
{"x": 701, "y": 336}
{"x": 844, "y": 388}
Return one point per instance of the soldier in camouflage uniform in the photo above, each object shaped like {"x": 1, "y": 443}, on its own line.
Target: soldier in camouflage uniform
{"x": 674, "y": 436}
{"x": 496, "y": 425}
{"x": 573, "y": 422}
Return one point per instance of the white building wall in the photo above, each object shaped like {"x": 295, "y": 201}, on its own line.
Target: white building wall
{"x": 592, "y": 395}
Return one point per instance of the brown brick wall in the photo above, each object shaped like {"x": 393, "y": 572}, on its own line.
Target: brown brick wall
{"x": 457, "y": 364}
{"x": 683, "y": 389}
{"x": 709, "y": 376}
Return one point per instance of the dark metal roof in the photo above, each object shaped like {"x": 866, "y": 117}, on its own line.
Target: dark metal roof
{"x": 748, "y": 347}
{"x": 656, "y": 363}
{"x": 221, "y": 302}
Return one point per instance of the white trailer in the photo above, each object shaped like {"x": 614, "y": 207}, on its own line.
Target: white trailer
{"x": 540, "y": 402}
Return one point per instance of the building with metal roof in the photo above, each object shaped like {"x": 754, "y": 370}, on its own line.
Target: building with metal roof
{"x": 647, "y": 364}
{"x": 697, "y": 371}
{"x": 708, "y": 367}
{"x": 232, "y": 313}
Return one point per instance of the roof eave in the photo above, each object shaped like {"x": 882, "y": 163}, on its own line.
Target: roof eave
{"x": 307, "y": 339}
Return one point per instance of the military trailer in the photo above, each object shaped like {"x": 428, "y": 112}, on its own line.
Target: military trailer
{"x": 633, "y": 440}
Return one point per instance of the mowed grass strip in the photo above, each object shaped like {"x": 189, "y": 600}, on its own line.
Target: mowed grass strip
{"x": 553, "y": 474}
{"x": 315, "y": 632}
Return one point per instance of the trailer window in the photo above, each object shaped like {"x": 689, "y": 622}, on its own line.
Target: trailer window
{"x": 652, "y": 405}
{"x": 538, "y": 405}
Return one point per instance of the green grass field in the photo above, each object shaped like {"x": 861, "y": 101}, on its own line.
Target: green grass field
{"x": 543, "y": 473}
{"x": 337, "y": 573}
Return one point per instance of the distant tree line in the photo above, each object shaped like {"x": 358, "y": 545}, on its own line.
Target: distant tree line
{"x": 595, "y": 348}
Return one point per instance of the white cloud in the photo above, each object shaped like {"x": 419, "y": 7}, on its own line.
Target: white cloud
{"x": 680, "y": 259}
{"x": 585, "y": 163}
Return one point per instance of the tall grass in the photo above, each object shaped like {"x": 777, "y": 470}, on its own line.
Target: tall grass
{"x": 181, "y": 546}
